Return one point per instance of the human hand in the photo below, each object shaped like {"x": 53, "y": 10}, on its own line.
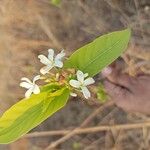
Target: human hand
{"x": 129, "y": 93}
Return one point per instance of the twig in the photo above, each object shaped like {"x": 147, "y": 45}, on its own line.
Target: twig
{"x": 48, "y": 31}
{"x": 89, "y": 147}
{"x": 87, "y": 120}
{"x": 73, "y": 132}
{"x": 90, "y": 129}
{"x": 91, "y": 102}
{"x": 125, "y": 17}
{"x": 139, "y": 20}
{"x": 102, "y": 121}
{"x": 100, "y": 25}
{"x": 47, "y": 133}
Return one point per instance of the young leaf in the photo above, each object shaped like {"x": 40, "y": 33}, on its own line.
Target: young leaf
{"x": 101, "y": 94}
{"x": 93, "y": 57}
{"x": 28, "y": 113}
{"x": 56, "y": 2}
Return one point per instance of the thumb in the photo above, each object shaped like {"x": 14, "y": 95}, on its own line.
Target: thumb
{"x": 115, "y": 91}
{"x": 118, "y": 94}
{"x": 116, "y": 77}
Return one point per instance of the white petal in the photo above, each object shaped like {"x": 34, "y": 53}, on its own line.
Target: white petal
{"x": 74, "y": 83}
{"x": 26, "y": 79}
{"x": 60, "y": 55}
{"x": 45, "y": 69}
{"x": 86, "y": 92}
{"x": 28, "y": 93}
{"x": 36, "y": 78}
{"x": 26, "y": 85}
{"x": 36, "y": 89}
{"x": 80, "y": 76}
{"x": 88, "y": 81}
{"x": 85, "y": 75}
{"x": 44, "y": 60}
{"x": 73, "y": 94}
{"x": 58, "y": 63}
{"x": 51, "y": 54}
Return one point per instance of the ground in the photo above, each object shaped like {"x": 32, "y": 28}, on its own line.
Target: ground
{"x": 29, "y": 27}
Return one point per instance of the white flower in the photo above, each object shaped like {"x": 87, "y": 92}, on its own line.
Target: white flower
{"x": 73, "y": 94}
{"x": 81, "y": 83}
{"x": 31, "y": 86}
{"x": 51, "y": 61}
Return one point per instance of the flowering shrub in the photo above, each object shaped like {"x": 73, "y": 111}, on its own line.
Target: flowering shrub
{"x": 63, "y": 77}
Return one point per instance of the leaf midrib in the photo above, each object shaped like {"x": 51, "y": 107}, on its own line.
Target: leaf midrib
{"x": 105, "y": 51}
{"x": 20, "y": 121}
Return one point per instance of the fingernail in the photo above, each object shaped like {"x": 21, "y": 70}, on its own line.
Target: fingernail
{"x": 106, "y": 71}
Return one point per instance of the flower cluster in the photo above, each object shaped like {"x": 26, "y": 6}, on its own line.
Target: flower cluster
{"x": 52, "y": 61}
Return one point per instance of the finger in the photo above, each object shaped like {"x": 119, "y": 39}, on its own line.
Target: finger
{"x": 119, "y": 95}
{"x": 108, "y": 70}
{"x": 120, "y": 79}
{"x": 144, "y": 77}
{"x": 115, "y": 91}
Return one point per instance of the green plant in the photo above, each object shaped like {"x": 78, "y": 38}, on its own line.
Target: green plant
{"x": 101, "y": 94}
{"x": 68, "y": 79}
{"x": 56, "y": 2}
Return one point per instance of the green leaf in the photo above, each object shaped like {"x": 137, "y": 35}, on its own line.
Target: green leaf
{"x": 101, "y": 94}
{"x": 28, "y": 113}
{"x": 93, "y": 57}
{"x": 56, "y": 2}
